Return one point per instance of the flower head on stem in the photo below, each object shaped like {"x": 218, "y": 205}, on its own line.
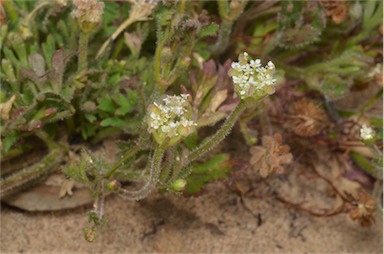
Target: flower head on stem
{"x": 251, "y": 79}
{"x": 88, "y": 13}
{"x": 169, "y": 121}
{"x": 367, "y": 134}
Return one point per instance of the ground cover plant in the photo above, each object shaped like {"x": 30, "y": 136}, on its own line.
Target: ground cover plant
{"x": 167, "y": 81}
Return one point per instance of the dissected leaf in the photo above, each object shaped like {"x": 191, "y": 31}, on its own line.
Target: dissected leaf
{"x": 209, "y": 30}
{"x": 114, "y": 122}
{"x": 9, "y": 140}
{"x": 214, "y": 169}
{"x": 106, "y": 104}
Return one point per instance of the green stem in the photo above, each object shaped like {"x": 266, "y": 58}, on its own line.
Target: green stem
{"x": 118, "y": 48}
{"x": 28, "y": 176}
{"x": 181, "y": 7}
{"x": 157, "y": 59}
{"x": 378, "y": 154}
{"x": 47, "y": 140}
{"x": 371, "y": 102}
{"x": 154, "y": 175}
{"x": 36, "y": 9}
{"x": 118, "y": 31}
{"x": 291, "y": 71}
{"x": 127, "y": 155}
{"x": 223, "y": 40}
{"x": 83, "y": 50}
{"x": 10, "y": 8}
{"x": 225, "y": 129}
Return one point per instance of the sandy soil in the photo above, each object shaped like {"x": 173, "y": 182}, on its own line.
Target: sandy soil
{"x": 233, "y": 216}
{"x": 216, "y": 221}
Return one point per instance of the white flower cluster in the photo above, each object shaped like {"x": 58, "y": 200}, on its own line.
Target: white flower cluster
{"x": 367, "y": 133}
{"x": 171, "y": 118}
{"x": 250, "y": 78}
{"x": 88, "y": 10}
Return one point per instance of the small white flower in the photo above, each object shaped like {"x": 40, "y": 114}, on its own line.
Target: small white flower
{"x": 367, "y": 133}
{"x": 170, "y": 119}
{"x": 250, "y": 78}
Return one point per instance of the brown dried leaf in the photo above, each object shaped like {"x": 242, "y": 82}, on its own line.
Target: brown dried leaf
{"x": 66, "y": 188}
{"x": 216, "y": 101}
{"x": 6, "y": 107}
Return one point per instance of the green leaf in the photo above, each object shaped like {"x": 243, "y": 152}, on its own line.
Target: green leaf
{"x": 106, "y": 104}
{"x": 209, "y": 30}
{"x": 334, "y": 86}
{"x": 114, "y": 122}
{"x": 11, "y": 56}
{"x": 214, "y": 169}
{"x": 7, "y": 69}
{"x": 21, "y": 52}
{"x": 90, "y": 117}
{"x": 87, "y": 130}
{"x": 191, "y": 141}
{"x": 365, "y": 164}
{"x": 48, "y": 49}
{"x": 9, "y": 140}
{"x": 125, "y": 105}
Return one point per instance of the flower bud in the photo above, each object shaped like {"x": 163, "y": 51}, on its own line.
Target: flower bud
{"x": 250, "y": 79}
{"x": 112, "y": 185}
{"x": 179, "y": 185}
{"x": 90, "y": 234}
{"x": 367, "y": 135}
{"x": 169, "y": 122}
{"x": 166, "y": 55}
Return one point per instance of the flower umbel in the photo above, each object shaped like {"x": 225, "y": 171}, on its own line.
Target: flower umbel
{"x": 88, "y": 13}
{"x": 251, "y": 79}
{"x": 169, "y": 122}
{"x": 367, "y": 133}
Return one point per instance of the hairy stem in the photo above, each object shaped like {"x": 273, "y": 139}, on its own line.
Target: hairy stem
{"x": 223, "y": 40}
{"x": 127, "y": 155}
{"x": 154, "y": 175}
{"x": 11, "y": 11}
{"x": 28, "y": 176}
{"x": 220, "y": 134}
{"x": 118, "y": 31}
{"x": 83, "y": 50}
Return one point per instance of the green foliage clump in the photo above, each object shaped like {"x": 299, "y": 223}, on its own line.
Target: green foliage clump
{"x": 159, "y": 76}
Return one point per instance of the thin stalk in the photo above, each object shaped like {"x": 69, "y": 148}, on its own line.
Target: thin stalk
{"x": 28, "y": 176}
{"x": 181, "y": 7}
{"x": 98, "y": 205}
{"x": 10, "y": 8}
{"x": 154, "y": 175}
{"x": 120, "y": 29}
{"x": 36, "y": 9}
{"x": 371, "y": 102}
{"x": 46, "y": 139}
{"x": 127, "y": 155}
{"x": 157, "y": 58}
{"x": 221, "y": 134}
{"x": 291, "y": 71}
{"x": 223, "y": 40}
{"x": 83, "y": 50}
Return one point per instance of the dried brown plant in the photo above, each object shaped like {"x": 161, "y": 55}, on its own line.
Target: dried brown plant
{"x": 335, "y": 9}
{"x": 361, "y": 209}
{"x": 271, "y": 157}
{"x": 306, "y": 118}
